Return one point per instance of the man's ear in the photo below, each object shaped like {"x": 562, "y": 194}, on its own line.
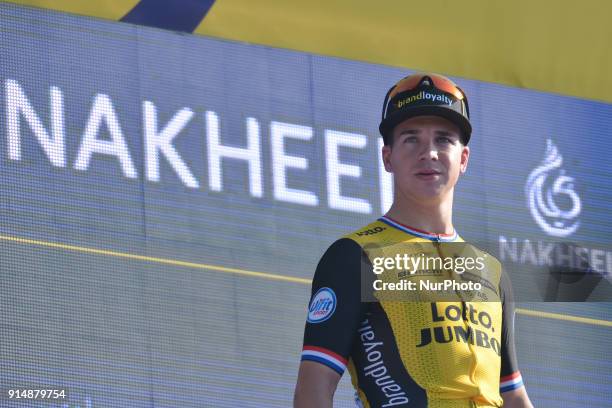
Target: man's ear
{"x": 465, "y": 157}
{"x": 386, "y": 157}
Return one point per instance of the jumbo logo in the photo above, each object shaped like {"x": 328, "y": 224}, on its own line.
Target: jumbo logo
{"x": 322, "y": 306}
{"x": 471, "y": 333}
{"x": 371, "y": 231}
{"x": 541, "y": 200}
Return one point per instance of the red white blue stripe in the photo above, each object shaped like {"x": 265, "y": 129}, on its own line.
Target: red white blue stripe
{"x": 510, "y": 382}
{"x": 418, "y": 232}
{"x": 326, "y": 357}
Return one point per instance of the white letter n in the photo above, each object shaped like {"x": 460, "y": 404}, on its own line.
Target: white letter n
{"x": 17, "y": 103}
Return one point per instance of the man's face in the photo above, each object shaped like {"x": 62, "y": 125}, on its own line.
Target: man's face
{"x": 426, "y": 157}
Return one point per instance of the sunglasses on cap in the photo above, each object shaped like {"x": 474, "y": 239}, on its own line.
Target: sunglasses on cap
{"x": 415, "y": 81}
{"x": 425, "y": 94}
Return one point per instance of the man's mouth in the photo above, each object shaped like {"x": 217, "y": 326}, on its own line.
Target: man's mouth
{"x": 428, "y": 172}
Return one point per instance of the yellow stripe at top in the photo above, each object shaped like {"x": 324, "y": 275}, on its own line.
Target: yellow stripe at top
{"x": 109, "y": 9}
{"x": 559, "y": 47}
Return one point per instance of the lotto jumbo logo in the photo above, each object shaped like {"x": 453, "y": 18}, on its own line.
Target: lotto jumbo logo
{"x": 542, "y": 196}
{"x": 322, "y": 306}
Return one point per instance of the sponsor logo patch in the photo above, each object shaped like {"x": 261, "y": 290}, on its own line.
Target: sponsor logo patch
{"x": 423, "y": 95}
{"x": 322, "y": 306}
{"x": 372, "y": 231}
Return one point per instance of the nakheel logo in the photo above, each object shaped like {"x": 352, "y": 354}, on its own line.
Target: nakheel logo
{"x": 541, "y": 195}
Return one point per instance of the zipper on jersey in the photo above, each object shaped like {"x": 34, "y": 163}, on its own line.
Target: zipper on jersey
{"x": 471, "y": 347}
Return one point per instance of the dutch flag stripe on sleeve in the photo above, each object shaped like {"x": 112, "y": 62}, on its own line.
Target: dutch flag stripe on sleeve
{"x": 511, "y": 382}
{"x": 324, "y": 356}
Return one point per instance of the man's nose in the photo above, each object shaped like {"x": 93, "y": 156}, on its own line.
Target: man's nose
{"x": 429, "y": 151}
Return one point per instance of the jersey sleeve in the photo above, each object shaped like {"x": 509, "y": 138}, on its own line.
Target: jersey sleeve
{"x": 510, "y": 376}
{"x": 335, "y": 308}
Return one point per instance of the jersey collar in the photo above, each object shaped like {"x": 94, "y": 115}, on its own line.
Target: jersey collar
{"x": 417, "y": 232}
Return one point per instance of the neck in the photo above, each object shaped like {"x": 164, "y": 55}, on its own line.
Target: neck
{"x": 433, "y": 216}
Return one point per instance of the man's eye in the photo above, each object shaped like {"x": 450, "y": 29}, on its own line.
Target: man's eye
{"x": 410, "y": 139}
{"x": 445, "y": 139}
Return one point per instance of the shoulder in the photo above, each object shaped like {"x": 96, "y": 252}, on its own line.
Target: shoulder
{"x": 349, "y": 254}
{"x": 340, "y": 249}
{"x": 354, "y": 242}
{"x": 342, "y": 254}
{"x": 373, "y": 231}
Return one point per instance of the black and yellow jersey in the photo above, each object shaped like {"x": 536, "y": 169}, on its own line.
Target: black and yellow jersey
{"x": 450, "y": 354}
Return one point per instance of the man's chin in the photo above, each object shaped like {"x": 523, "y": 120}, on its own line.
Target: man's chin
{"x": 428, "y": 195}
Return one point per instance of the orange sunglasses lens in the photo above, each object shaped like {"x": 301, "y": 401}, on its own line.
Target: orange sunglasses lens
{"x": 440, "y": 82}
